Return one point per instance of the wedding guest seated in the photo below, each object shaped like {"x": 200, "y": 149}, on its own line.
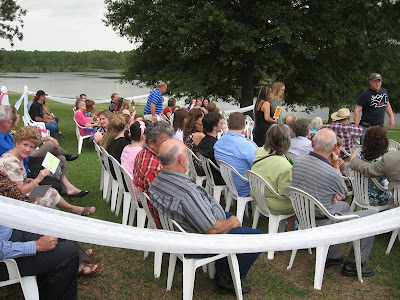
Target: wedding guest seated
{"x": 300, "y": 144}
{"x": 169, "y": 110}
{"x": 11, "y": 163}
{"x": 104, "y": 119}
{"x": 176, "y": 196}
{"x": 205, "y": 103}
{"x": 180, "y": 117}
{"x": 193, "y": 134}
{"x": 113, "y": 103}
{"x": 82, "y": 120}
{"x": 90, "y": 106}
{"x": 271, "y": 164}
{"x": 136, "y": 137}
{"x": 49, "y": 115}
{"x": 36, "y": 113}
{"x": 192, "y": 104}
{"x": 289, "y": 121}
{"x": 212, "y": 124}
{"x": 375, "y": 145}
{"x": 316, "y": 124}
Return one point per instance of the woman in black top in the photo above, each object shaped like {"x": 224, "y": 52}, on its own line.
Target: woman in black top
{"x": 263, "y": 115}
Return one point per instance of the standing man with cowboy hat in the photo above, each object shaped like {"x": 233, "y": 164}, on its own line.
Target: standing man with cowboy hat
{"x": 373, "y": 103}
{"x": 344, "y": 129}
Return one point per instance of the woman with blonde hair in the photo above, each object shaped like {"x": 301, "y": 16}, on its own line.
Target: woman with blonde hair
{"x": 104, "y": 119}
{"x": 278, "y": 91}
{"x": 263, "y": 114}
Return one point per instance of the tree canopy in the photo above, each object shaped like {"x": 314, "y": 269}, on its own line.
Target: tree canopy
{"x": 11, "y": 22}
{"x": 322, "y": 50}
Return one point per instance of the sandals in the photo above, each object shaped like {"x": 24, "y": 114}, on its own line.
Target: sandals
{"x": 89, "y": 269}
{"x": 88, "y": 210}
{"x": 89, "y": 251}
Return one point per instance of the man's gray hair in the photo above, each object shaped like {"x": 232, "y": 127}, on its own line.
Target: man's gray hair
{"x": 5, "y": 112}
{"x": 157, "y": 129}
{"x": 171, "y": 156}
{"x": 324, "y": 140}
{"x": 78, "y": 102}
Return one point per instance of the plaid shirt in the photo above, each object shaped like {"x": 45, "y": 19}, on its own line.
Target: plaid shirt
{"x": 347, "y": 133}
{"x": 147, "y": 167}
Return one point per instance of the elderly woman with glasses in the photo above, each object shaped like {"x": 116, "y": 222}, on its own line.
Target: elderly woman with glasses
{"x": 82, "y": 120}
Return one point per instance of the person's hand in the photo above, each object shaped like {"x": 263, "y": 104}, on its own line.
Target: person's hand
{"x": 392, "y": 123}
{"x": 334, "y": 160}
{"x": 55, "y": 142}
{"x": 235, "y": 223}
{"x": 46, "y": 243}
{"x": 337, "y": 198}
{"x": 155, "y": 118}
{"x": 42, "y": 174}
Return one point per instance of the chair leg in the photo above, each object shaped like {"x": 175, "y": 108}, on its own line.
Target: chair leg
{"x": 141, "y": 218}
{"x": 132, "y": 214}
{"x": 273, "y": 225}
{"x": 114, "y": 194}
{"x": 395, "y": 233}
{"x": 292, "y": 257}
{"x": 119, "y": 201}
{"x": 217, "y": 193}
{"x": 204, "y": 268}
{"x": 228, "y": 201}
{"x": 211, "y": 270}
{"x": 106, "y": 179}
{"x": 30, "y": 288}
{"x": 241, "y": 205}
{"x": 157, "y": 264}
{"x": 189, "y": 273}
{"x": 80, "y": 142}
{"x": 255, "y": 218}
{"x": 234, "y": 267}
{"x": 102, "y": 178}
{"x": 125, "y": 207}
{"x": 357, "y": 257}
{"x": 171, "y": 270}
{"x": 321, "y": 253}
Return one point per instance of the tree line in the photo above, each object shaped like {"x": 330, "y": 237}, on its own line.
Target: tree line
{"x": 61, "y": 61}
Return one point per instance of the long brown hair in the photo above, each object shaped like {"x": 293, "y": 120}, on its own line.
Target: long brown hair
{"x": 190, "y": 124}
{"x": 264, "y": 94}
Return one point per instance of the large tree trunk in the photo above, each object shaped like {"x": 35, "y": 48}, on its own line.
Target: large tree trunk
{"x": 247, "y": 81}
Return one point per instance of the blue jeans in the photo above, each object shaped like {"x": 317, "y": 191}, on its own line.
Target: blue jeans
{"x": 53, "y": 128}
{"x": 245, "y": 260}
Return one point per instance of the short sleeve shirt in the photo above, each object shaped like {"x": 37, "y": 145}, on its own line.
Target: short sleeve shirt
{"x": 156, "y": 98}
{"x": 36, "y": 110}
{"x": 373, "y": 106}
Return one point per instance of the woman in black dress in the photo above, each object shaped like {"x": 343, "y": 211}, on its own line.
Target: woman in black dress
{"x": 263, "y": 115}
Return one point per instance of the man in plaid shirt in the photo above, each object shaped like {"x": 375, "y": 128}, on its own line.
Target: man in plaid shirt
{"x": 147, "y": 164}
{"x": 344, "y": 129}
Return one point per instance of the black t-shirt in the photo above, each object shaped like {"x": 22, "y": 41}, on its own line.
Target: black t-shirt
{"x": 206, "y": 148}
{"x": 36, "y": 110}
{"x": 115, "y": 148}
{"x": 373, "y": 106}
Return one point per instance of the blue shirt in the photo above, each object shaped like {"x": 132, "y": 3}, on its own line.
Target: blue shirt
{"x": 234, "y": 149}
{"x": 10, "y": 249}
{"x": 7, "y": 143}
{"x": 156, "y": 98}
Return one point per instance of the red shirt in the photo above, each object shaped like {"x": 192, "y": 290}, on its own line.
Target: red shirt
{"x": 147, "y": 167}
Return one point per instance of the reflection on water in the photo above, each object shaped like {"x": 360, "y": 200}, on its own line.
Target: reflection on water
{"x": 100, "y": 86}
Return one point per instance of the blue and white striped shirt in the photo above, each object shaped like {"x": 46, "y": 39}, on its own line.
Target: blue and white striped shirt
{"x": 10, "y": 249}
{"x": 156, "y": 98}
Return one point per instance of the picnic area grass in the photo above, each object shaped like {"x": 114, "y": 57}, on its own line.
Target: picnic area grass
{"x": 125, "y": 274}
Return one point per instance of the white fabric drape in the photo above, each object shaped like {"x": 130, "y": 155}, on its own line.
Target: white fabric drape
{"x": 42, "y": 220}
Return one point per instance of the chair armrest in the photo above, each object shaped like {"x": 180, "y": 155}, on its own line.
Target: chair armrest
{"x": 380, "y": 186}
{"x": 347, "y": 217}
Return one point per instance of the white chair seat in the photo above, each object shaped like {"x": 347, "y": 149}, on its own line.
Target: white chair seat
{"x": 79, "y": 136}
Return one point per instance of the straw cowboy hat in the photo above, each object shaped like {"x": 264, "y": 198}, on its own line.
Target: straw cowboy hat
{"x": 341, "y": 114}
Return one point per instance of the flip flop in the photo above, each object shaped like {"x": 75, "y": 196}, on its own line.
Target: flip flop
{"x": 80, "y": 194}
{"x": 89, "y": 251}
{"x": 89, "y": 269}
{"x": 88, "y": 210}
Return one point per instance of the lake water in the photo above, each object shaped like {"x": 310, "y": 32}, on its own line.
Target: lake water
{"x": 99, "y": 86}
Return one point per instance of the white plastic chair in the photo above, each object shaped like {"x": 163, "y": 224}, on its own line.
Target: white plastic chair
{"x": 123, "y": 192}
{"x": 192, "y": 170}
{"x": 116, "y": 192}
{"x": 28, "y": 283}
{"x": 304, "y": 207}
{"x": 395, "y": 188}
{"x": 134, "y": 205}
{"x": 345, "y": 152}
{"x": 79, "y": 136}
{"x": 98, "y": 151}
{"x": 108, "y": 179}
{"x": 290, "y": 155}
{"x": 359, "y": 182}
{"x": 151, "y": 224}
{"x": 215, "y": 190}
{"x": 249, "y": 127}
{"x": 258, "y": 186}
{"x": 191, "y": 264}
{"x": 393, "y": 146}
{"x": 40, "y": 125}
{"x": 226, "y": 172}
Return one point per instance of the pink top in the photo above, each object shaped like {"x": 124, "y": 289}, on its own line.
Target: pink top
{"x": 128, "y": 157}
{"x": 81, "y": 119}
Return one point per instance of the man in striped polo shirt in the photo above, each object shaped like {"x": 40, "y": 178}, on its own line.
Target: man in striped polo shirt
{"x": 154, "y": 102}
{"x": 318, "y": 174}
{"x": 176, "y": 196}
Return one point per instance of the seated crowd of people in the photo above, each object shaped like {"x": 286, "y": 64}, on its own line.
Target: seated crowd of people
{"x": 154, "y": 152}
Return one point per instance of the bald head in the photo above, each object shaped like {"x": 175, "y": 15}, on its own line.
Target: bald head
{"x": 324, "y": 140}
{"x": 173, "y": 155}
{"x": 290, "y": 119}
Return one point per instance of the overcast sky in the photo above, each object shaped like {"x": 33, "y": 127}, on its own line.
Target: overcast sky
{"x": 70, "y": 25}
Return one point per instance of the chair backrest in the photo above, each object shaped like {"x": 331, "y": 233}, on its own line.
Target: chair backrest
{"x": 106, "y": 162}
{"x": 393, "y": 146}
{"x": 395, "y": 188}
{"x": 166, "y": 222}
{"x": 290, "y": 155}
{"x": 207, "y": 165}
{"x": 258, "y": 186}
{"x": 344, "y": 151}
{"x": 249, "y": 127}
{"x": 129, "y": 184}
{"x": 39, "y": 125}
{"x": 143, "y": 199}
{"x": 304, "y": 207}
{"x": 359, "y": 183}
{"x": 117, "y": 170}
{"x": 192, "y": 168}
{"x": 226, "y": 173}
{"x": 98, "y": 151}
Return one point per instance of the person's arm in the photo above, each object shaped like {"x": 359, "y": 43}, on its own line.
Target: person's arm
{"x": 153, "y": 111}
{"x": 97, "y": 137}
{"x": 357, "y": 111}
{"x": 50, "y": 139}
{"x": 376, "y": 169}
{"x": 224, "y": 226}
{"x": 389, "y": 112}
{"x": 266, "y": 109}
{"x": 197, "y": 137}
{"x": 26, "y": 188}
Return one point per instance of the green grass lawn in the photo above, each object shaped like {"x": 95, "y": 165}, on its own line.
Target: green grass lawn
{"x": 126, "y": 275}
